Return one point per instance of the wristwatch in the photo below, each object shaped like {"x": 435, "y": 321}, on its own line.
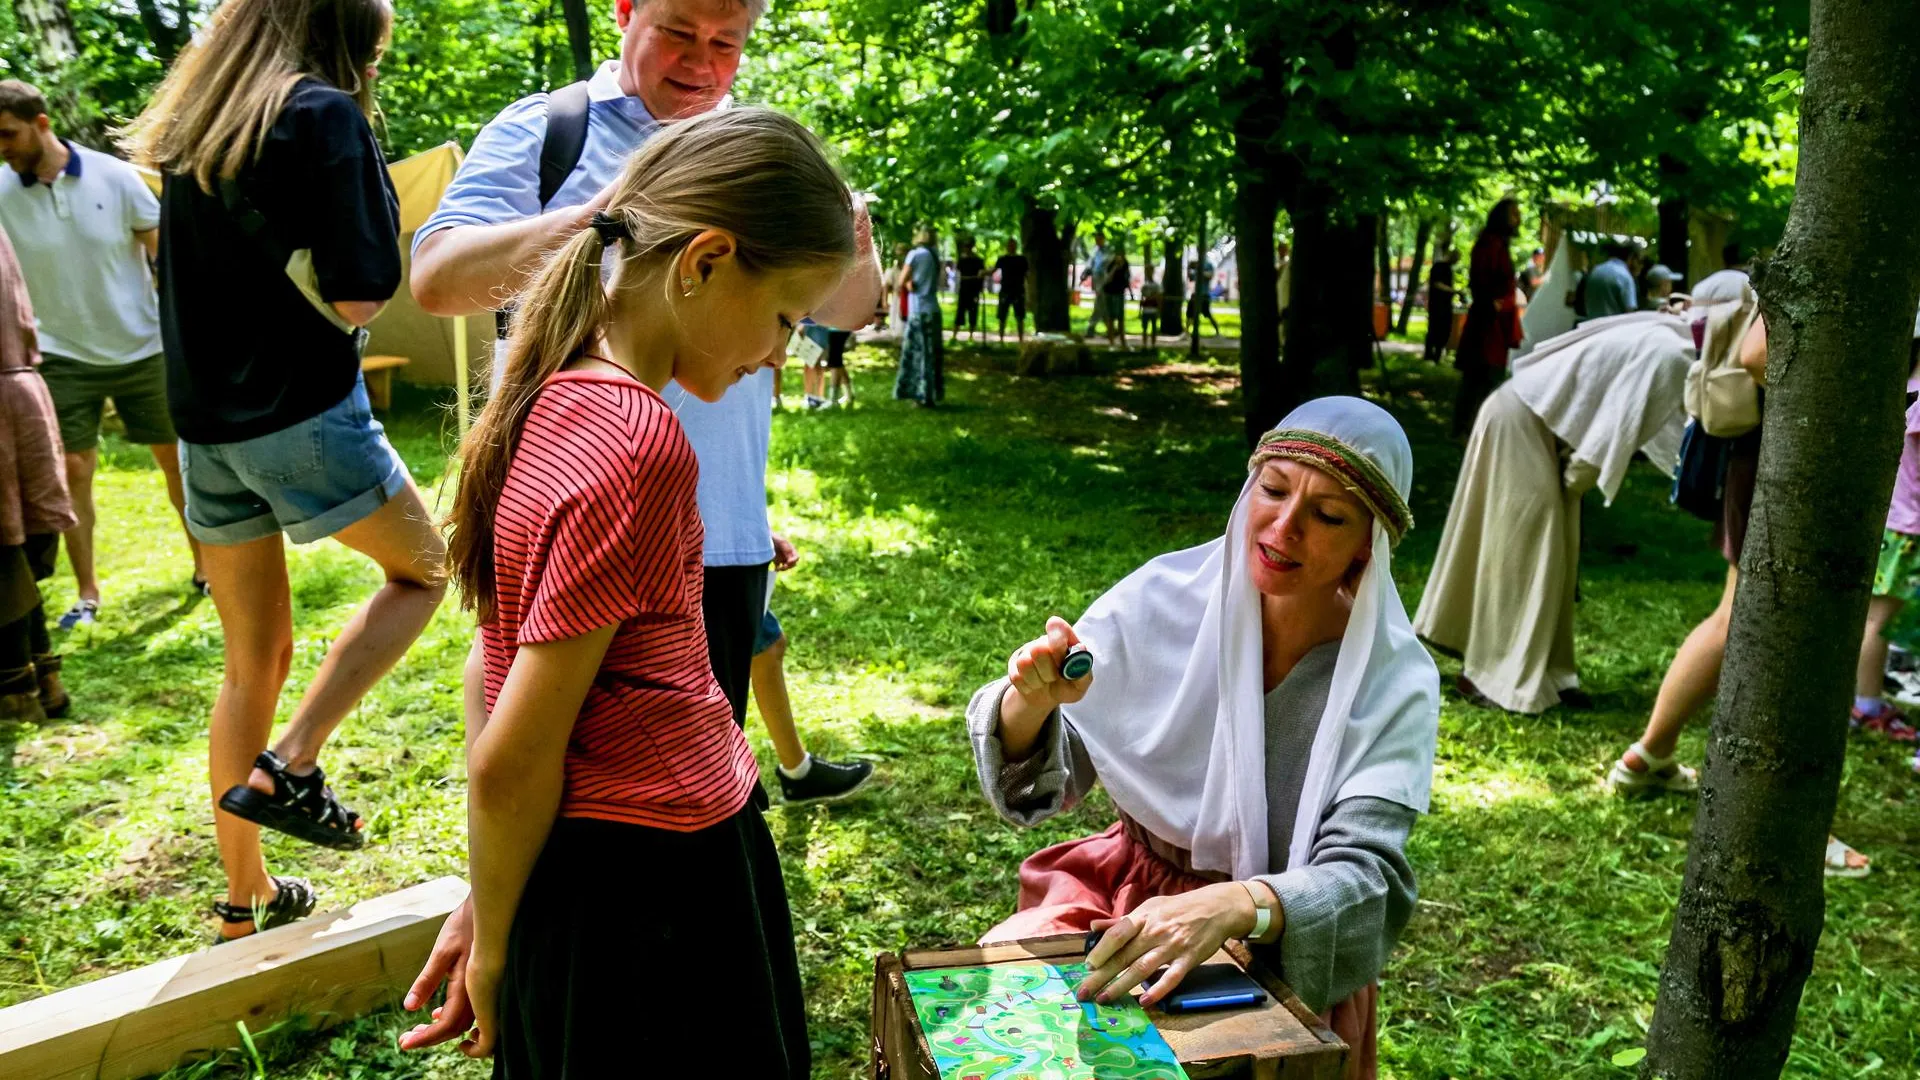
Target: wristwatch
{"x": 1262, "y": 914}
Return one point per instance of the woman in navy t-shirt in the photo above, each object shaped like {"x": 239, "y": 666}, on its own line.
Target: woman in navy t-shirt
{"x": 279, "y": 242}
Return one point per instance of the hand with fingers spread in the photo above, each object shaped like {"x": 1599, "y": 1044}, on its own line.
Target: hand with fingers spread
{"x": 446, "y": 964}
{"x": 1036, "y": 687}
{"x": 1178, "y": 932}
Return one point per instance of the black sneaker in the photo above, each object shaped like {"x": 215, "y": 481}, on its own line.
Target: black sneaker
{"x": 826, "y": 781}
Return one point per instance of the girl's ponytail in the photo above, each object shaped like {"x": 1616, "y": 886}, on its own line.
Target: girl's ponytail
{"x": 560, "y": 314}
{"x": 752, "y": 173}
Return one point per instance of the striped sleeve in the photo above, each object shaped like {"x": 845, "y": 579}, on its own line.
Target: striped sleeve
{"x": 611, "y": 543}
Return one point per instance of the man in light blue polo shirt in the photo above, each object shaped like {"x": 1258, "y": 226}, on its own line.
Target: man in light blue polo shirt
{"x": 85, "y": 226}
{"x": 677, "y": 59}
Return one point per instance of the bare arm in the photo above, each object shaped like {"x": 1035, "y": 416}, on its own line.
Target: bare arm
{"x": 358, "y": 312}
{"x": 149, "y": 239}
{"x": 467, "y": 269}
{"x": 1753, "y": 351}
{"x": 515, "y": 775}
{"x": 473, "y": 696}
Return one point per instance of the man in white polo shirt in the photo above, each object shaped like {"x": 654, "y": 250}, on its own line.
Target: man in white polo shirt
{"x": 86, "y": 226}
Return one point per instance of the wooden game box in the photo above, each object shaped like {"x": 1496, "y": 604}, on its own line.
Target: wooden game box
{"x": 1280, "y": 1040}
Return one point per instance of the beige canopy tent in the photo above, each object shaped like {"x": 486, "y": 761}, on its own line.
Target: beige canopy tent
{"x": 439, "y": 350}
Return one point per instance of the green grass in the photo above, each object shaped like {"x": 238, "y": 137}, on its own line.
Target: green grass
{"x": 932, "y": 543}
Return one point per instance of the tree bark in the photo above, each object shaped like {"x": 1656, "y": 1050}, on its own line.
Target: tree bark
{"x": 579, "y": 37}
{"x": 1040, "y": 236}
{"x": 1330, "y": 314}
{"x": 1256, "y": 203}
{"x": 49, "y": 25}
{"x": 1838, "y": 301}
{"x": 1200, "y": 258}
{"x": 1172, "y": 280}
{"x": 1420, "y": 236}
{"x": 1384, "y": 277}
{"x": 1674, "y": 215}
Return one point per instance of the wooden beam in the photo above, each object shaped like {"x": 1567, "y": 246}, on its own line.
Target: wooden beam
{"x": 322, "y": 970}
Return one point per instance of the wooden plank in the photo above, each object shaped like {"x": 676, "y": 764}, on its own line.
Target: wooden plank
{"x": 383, "y": 363}
{"x": 323, "y": 970}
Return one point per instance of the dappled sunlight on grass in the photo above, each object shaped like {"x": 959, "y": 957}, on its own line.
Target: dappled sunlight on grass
{"x": 932, "y": 542}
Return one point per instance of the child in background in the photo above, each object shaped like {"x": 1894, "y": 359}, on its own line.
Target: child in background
{"x": 803, "y": 777}
{"x": 619, "y": 861}
{"x": 826, "y": 377}
{"x": 1895, "y": 581}
{"x": 1150, "y": 296}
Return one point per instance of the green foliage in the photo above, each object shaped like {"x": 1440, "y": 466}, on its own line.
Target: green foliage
{"x": 931, "y": 544}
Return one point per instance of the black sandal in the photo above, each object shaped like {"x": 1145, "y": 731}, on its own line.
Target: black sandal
{"x": 293, "y": 900}
{"x": 303, "y": 807}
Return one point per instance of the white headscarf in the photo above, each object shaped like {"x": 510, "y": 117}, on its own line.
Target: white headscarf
{"x": 1175, "y": 721}
{"x": 1611, "y": 388}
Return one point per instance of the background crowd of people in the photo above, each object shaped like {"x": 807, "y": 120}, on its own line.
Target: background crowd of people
{"x": 610, "y": 529}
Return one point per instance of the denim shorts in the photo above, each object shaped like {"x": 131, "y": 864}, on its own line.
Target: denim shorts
{"x": 766, "y": 633}
{"x": 310, "y": 480}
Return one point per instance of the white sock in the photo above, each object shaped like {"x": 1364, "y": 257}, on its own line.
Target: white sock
{"x": 1871, "y": 706}
{"x": 800, "y": 773}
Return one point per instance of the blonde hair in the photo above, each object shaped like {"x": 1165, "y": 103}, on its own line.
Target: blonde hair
{"x": 752, "y": 173}
{"x": 225, "y": 90}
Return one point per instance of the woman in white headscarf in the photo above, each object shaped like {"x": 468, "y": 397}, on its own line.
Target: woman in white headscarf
{"x": 1573, "y": 416}
{"x": 1263, "y": 718}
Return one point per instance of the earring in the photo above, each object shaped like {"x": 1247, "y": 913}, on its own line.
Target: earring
{"x": 686, "y": 286}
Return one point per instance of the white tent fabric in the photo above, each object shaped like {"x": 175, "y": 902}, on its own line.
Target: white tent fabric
{"x": 1548, "y": 314}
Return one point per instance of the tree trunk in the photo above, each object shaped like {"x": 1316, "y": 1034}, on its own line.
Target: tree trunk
{"x": 1674, "y": 214}
{"x": 579, "y": 37}
{"x": 1839, "y": 301}
{"x": 1200, "y": 259}
{"x": 1040, "y": 236}
{"x": 1420, "y": 236}
{"x": 49, "y": 25}
{"x": 1256, "y": 203}
{"x": 1330, "y": 315}
{"x": 1385, "y": 274}
{"x": 1172, "y": 279}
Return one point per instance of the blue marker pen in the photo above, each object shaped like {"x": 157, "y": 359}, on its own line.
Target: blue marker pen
{"x": 1217, "y": 1001}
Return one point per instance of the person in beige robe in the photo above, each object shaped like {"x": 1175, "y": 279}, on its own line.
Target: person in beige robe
{"x": 1577, "y": 409}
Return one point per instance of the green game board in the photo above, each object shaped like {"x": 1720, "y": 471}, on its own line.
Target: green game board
{"x": 1021, "y": 1022}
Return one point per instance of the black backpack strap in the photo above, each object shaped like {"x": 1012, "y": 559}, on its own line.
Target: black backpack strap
{"x": 566, "y": 138}
{"x": 560, "y": 151}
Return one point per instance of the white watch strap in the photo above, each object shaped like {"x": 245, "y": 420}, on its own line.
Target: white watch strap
{"x": 1262, "y": 914}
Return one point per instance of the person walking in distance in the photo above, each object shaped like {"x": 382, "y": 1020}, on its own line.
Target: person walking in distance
{"x": 971, "y": 270}
{"x": 86, "y": 227}
{"x": 1011, "y": 269}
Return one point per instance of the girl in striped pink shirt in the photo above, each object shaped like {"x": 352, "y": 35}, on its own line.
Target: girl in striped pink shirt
{"x": 619, "y": 862}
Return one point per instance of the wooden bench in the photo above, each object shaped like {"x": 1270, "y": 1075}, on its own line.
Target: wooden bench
{"x": 322, "y": 970}
{"x": 378, "y": 371}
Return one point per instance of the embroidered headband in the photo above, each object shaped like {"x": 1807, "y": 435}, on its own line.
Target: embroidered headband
{"x": 609, "y": 227}
{"x": 1355, "y": 471}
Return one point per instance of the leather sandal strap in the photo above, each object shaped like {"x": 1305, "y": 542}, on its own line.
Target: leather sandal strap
{"x": 1653, "y": 764}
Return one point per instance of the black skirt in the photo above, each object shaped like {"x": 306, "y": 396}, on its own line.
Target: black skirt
{"x": 644, "y": 952}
